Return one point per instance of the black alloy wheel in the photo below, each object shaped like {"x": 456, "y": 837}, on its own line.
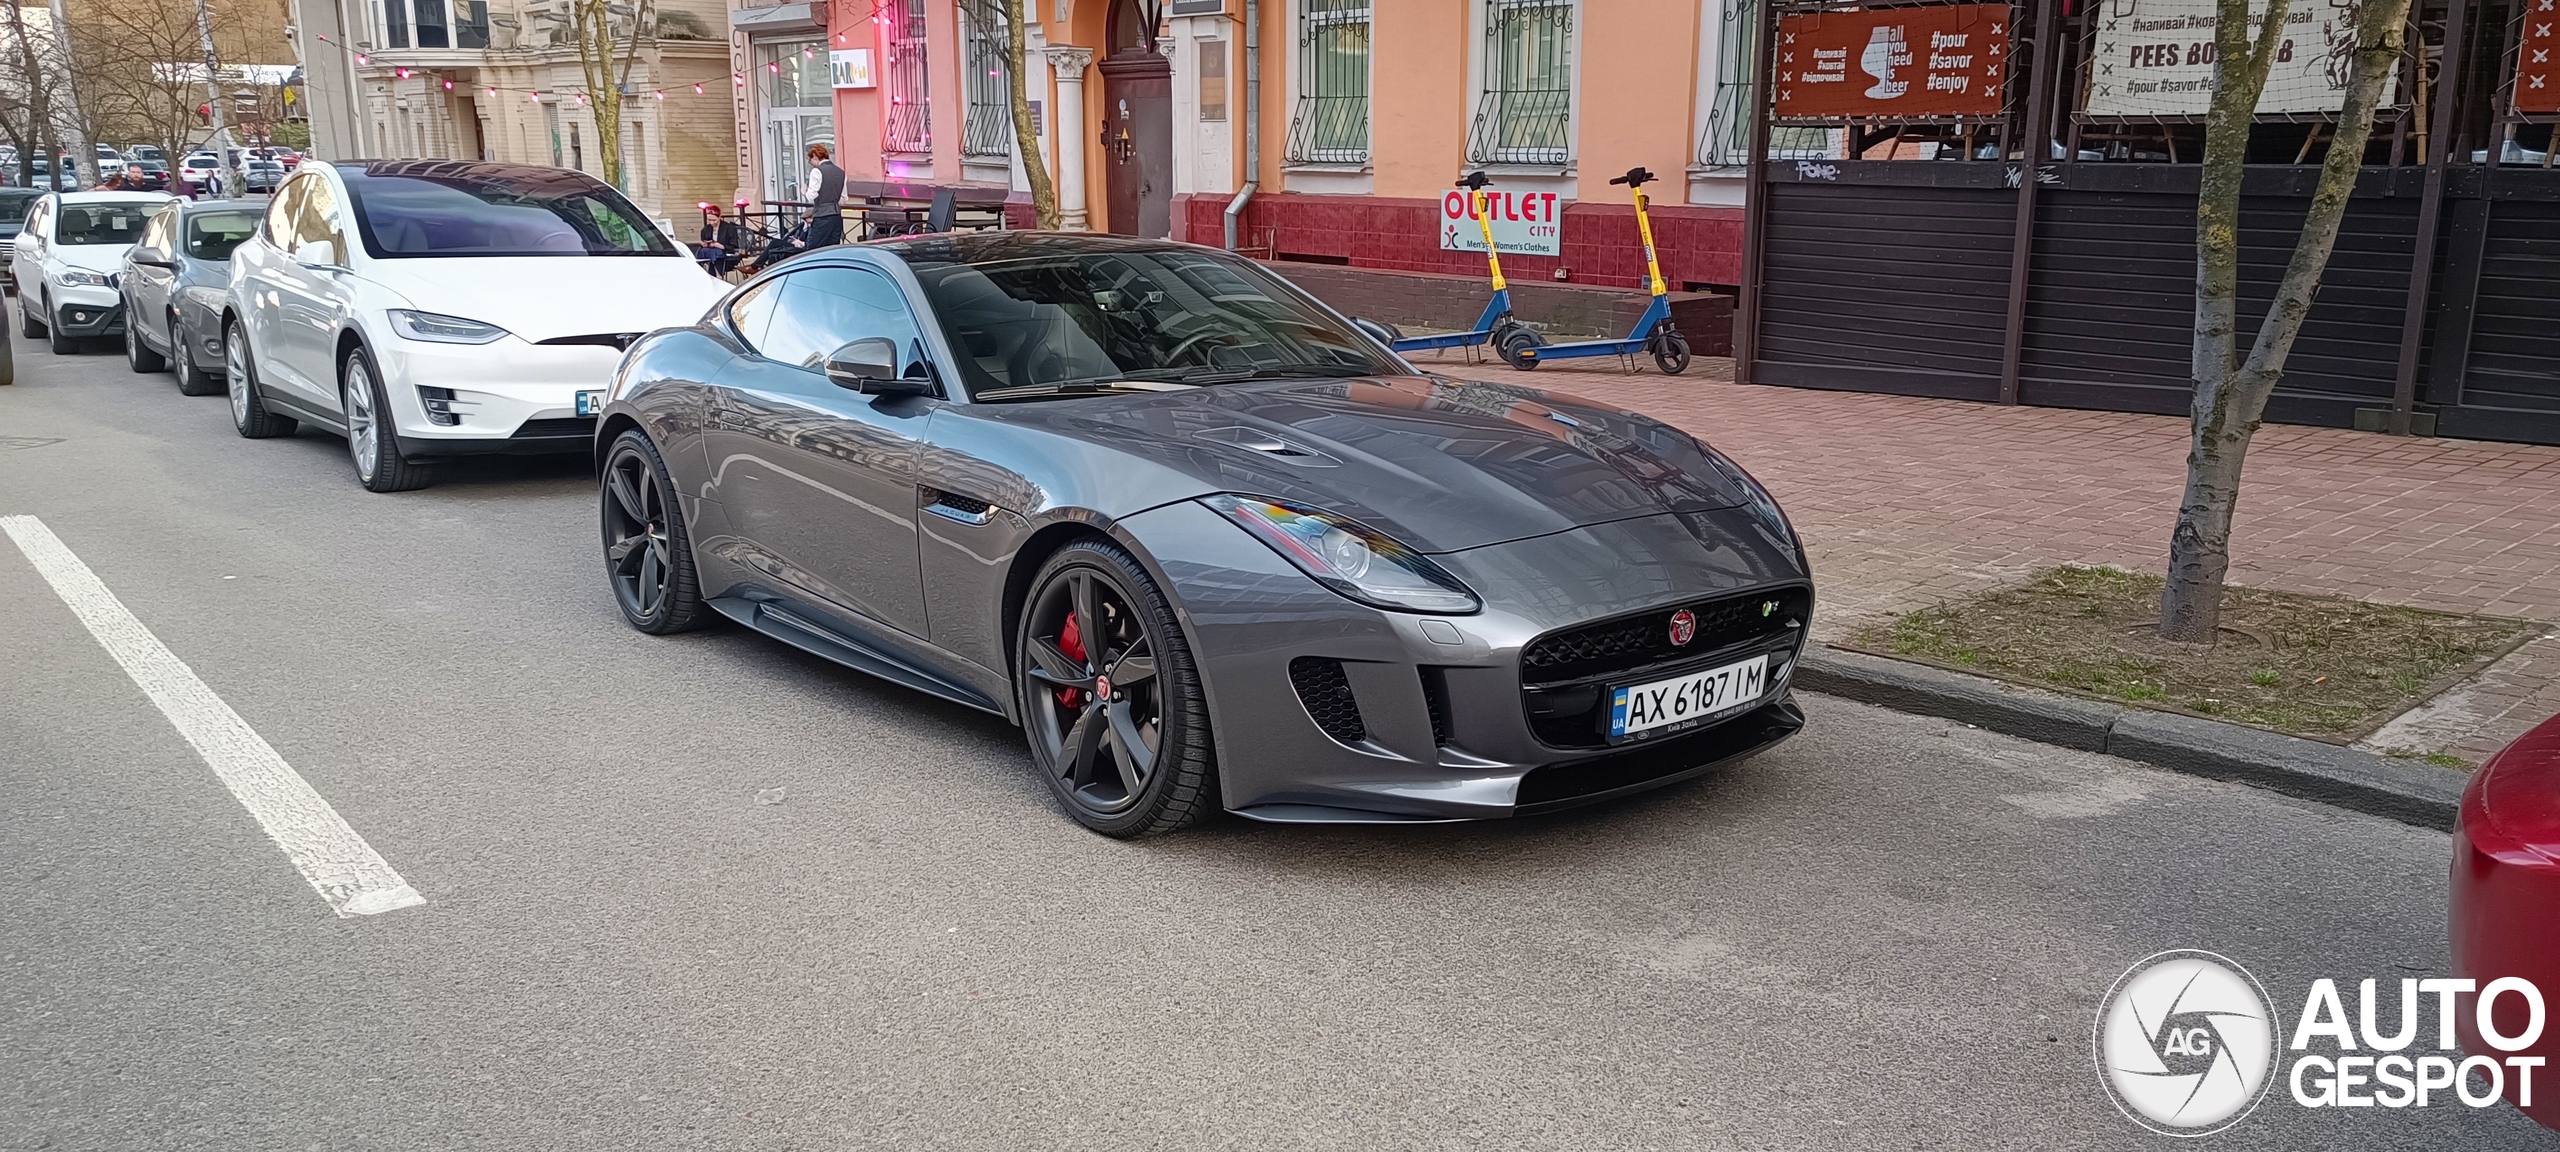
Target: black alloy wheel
{"x": 647, "y": 556}
{"x": 1670, "y": 350}
{"x": 1111, "y": 701}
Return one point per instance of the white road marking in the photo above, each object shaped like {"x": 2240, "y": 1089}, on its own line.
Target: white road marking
{"x": 345, "y": 870}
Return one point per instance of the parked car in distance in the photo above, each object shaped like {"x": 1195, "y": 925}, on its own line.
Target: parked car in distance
{"x": 1147, "y": 500}
{"x": 153, "y": 174}
{"x": 67, "y": 257}
{"x": 174, "y": 283}
{"x": 2506, "y": 897}
{"x": 199, "y": 169}
{"x": 110, "y": 161}
{"x": 14, "y": 203}
{"x": 260, "y": 175}
{"x": 45, "y": 175}
{"x": 432, "y": 309}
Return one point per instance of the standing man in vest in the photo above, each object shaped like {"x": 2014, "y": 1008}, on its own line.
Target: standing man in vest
{"x": 826, "y": 198}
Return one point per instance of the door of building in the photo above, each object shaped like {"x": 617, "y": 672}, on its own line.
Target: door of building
{"x": 1137, "y": 124}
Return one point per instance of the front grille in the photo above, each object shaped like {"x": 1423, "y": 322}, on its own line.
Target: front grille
{"x": 1327, "y": 694}
{"x": 557, "y": 426}
{"x": 1565, "y": 676}
{"x": 1630, "y": 642}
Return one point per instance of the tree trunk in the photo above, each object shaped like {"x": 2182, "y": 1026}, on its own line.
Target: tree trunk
{"x": 1026, "y": 139}
{"x": 84, "y": 157}
{"x": 2231, "y": 392}
{"x": 39, "y": 109}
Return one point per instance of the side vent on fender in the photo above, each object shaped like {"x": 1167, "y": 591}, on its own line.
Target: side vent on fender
{"x": 1327, "y": 694}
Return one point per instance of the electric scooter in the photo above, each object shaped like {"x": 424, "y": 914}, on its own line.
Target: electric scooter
{"x": 1653, "y": 331}
{"x": 1496, "y": 324}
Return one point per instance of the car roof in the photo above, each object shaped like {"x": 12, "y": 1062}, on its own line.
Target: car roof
{"x": 565, "y": 179}
{"x": 114, "y": 197}
{"x": 991, "y": 247}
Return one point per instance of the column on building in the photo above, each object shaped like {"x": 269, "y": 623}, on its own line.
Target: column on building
{"x": 1068, "y": 65}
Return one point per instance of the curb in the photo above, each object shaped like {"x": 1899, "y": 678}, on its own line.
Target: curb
{"x": 2345, "y": 777}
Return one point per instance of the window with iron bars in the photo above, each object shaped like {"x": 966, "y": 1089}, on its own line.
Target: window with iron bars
{"x": 986, "y": 126}
{"x": 1726, "y": 142}
{"x": 910, "y": 127}
{"x": 1331, "y": 124}
{"x": 1525, "y": 115}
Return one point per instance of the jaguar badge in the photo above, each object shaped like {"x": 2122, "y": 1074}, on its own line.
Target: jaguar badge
{"x": 1684, "y": 627}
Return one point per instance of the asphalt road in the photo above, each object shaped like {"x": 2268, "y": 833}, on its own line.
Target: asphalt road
{"x": 1889, "y": 933}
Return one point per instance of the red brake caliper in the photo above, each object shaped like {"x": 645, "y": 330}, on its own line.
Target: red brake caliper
{"x": 1071, "y": 642}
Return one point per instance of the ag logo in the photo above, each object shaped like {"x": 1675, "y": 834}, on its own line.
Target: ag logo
{"x": 1684, "y": 627}
{"x": 2185, "y": 1043}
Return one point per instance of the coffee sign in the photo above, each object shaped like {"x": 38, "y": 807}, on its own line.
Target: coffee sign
{"x": 1931, "y": 60}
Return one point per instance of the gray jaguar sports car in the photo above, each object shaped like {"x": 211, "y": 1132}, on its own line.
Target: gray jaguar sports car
{"x": 1209, "y": 543}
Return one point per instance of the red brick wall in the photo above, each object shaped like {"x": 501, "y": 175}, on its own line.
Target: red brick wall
{"x": 1697, "y": 245}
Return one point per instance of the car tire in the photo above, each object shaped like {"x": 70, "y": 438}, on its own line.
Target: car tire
{"x": 248, "y": 410}
{"x": 28, "y": 325}
{"x": 648, "y": 553}
{"x": 373, "y": 440}
{"x": 55, "y": 341}
{"x": 138, "y": 356}
{"x": 1083, "y": 705}
{"x": 192, "y": 380}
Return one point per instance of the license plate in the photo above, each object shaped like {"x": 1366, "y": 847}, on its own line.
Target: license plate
{"x": 590, "y": 403}
{"x": 1686, "y": 701}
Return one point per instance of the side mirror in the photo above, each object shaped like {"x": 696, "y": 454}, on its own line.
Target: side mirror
{"x": 154, "y": 262}
{"x": 870, "y": 366}
{"x": 317, "y": 254}
{"x": 1382, "y": 333}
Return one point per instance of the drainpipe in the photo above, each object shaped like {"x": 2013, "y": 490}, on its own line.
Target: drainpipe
{"x": 1252, "y": 118}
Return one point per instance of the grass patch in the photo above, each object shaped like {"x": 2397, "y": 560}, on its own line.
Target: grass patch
{"x": 2317, "y": 666}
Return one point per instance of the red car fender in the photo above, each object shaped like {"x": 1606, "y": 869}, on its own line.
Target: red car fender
{"x": 2506, "y": 903}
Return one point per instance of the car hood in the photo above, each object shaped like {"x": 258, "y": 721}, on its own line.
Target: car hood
{"x": 1440, "y": 464}
{"x": 548, "y": 297}
{"x": 94, "y": 257}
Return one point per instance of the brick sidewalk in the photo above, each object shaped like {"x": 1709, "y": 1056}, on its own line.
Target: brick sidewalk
{"x": 1905, "y": 501}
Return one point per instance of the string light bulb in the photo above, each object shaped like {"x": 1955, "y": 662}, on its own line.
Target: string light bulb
{"x": 360, "y": 58}
{"x": 660, "y": 94}
{"x": 697, "y": 89}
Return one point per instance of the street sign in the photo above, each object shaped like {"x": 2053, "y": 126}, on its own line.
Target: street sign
{"x": 851, "y": 68}
{"x": 1933, "y": 60}
{"x": 1523, "y": 222}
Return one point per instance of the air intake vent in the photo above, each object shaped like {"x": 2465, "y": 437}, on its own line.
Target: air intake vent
{"x": 1327, "y": 694}
{"x": 1435, "y": 695}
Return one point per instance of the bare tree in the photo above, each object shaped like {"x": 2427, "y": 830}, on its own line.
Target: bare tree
{"x": 604, "y": 61}
{"x": 29, "y": 122}
{"x": 75, "y": 126}
{"x": 2231, "y": 391}
{"x": 1026, "y": 136}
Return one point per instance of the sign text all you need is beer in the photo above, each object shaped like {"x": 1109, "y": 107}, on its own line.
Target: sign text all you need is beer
{"x": 1944, "y": 60}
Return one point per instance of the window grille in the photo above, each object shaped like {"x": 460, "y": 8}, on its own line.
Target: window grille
{"x": 1726, "y": 143}
{"x": 910, "y": 126}
{"x": 986, "y": 128}
{"x": 1526, "y": 113}
{"x": 1331, "y": 125}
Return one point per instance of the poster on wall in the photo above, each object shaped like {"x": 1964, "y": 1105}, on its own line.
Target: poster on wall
{"x": 1937, "y": 60}
{"x": 2155, "y": 58}
{"x": 1523, "y": 222}
{"x": 2538, "y": 58}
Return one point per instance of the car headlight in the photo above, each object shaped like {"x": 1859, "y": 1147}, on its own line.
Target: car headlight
{"x": 441, "y": 329}
{"x": 1349, "y": 558}
{"x": 83, "y": 278}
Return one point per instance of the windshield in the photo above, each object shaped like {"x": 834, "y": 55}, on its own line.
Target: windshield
{"x": 102, "y": 223}
{"x": 1055, "y": 324}
{"x": 213, "y": 235}
{"x": 444, "y": 209}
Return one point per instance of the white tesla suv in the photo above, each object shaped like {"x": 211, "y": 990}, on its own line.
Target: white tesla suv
{"x": 432, "y": 309}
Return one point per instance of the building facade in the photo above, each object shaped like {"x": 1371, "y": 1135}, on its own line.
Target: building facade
{"x": 503, "y": 80}
{"x": 1351, "y": 118}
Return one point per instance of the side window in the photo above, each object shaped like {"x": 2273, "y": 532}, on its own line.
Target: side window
{"x": 280, "y": 214}
{"x": 155, "y": 235}
{"x": 40, "y": 221}
{"x": 318, "y": 218}
{"x": 752, "y": 312}
{"x": 824, "y": 309}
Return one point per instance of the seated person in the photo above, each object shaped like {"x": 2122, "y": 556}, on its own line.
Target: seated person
{"x": 720, "y": 243}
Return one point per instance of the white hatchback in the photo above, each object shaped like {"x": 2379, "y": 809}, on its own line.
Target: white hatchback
{"x": 431, "y": 309}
